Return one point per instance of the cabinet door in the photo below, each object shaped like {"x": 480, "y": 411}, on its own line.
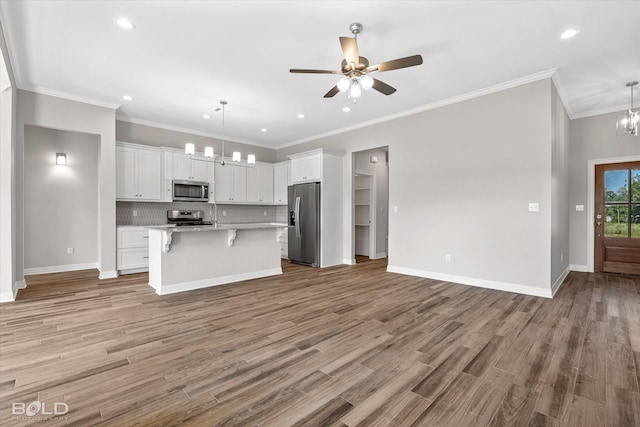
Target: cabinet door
{"x": 126, "y": 173}
{"x": 280, "y": 183}
{"x": 313, "y": 168}
{"x": 199, "y": 169}
{"x": 266, "y": 184}
{"x": 239, "y": 183}
{"x": 223, "y": 183}
{"x": 181, "y": 166}
{"x": 149, "y": 175}
{"x": 298, "y": 170}
{"x": 253, "y": 184}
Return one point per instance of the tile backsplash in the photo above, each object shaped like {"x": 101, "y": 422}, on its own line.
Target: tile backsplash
{"x": 156, "y": 213}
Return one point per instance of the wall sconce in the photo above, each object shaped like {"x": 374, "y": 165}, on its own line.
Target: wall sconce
{"x": 189, "y": 148}
{"x": 61, "y": 159}
{"x": 208, "y": 151}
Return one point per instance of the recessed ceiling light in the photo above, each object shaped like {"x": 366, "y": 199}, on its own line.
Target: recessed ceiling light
{"x": 127, "y": 97}
{"x": 569, "y": 33}
{"x": 206, "y": 116}
{"x": 125, "y": 23}
{"x": 301, "y": 116}
{"x": 263, "y": 130}
{"x": 346, "y": 109}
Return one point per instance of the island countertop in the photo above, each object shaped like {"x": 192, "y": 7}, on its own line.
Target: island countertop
{"x": 218, "y": 227}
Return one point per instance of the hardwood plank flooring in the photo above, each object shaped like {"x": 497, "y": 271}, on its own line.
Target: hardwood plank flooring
{"x": 342, "y": 346}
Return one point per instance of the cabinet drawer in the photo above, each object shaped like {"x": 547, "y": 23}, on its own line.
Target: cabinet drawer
{"x": 133, "y": 258}
{"x": 132, "y": 237}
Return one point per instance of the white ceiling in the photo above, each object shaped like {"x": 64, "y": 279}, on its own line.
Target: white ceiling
{"x": 185, "y": 56}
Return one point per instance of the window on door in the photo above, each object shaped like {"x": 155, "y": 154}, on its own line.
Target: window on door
{"x": 622, "y": 203}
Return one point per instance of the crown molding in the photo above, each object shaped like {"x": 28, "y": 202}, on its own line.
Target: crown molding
{"x": 71, "y": 97}
{"x": 546, "y": 74}
{"x": 189, "y": 131}
{"x": 600, "y": 111}
{"x": 562, "y": 94}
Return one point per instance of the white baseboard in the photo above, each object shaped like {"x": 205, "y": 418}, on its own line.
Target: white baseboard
{"x": 60, "y": 268}
{"x": 108, "y": 275}
{"x": 560, "y": 280}
{"x": 348, "y": 261}
{"x": 578, "y": 267}
{"x": 471, "y": 281}
{"x": 11, "y": 296}
{"x": 134, "y": 270}
{"x": 199, "y": 284}
{"x": 381, "y": 255}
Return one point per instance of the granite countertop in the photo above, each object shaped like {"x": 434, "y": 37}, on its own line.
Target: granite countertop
{"x": 218, "y": 227}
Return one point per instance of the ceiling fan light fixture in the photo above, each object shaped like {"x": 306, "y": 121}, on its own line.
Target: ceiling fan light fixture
{"x": 344, "y": 84}
{"x": 628, "y": 122}
{"x": 355, "y": 91}
{"x": 366, "y": 82}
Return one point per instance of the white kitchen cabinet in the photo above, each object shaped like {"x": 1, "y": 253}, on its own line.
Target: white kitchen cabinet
{"x": 306, "y": 169}
{"x": 260, "y": 184}
{"x": 191, "y": 167}
{"x": 138, "y": 173}
{"x": 230, "y": 183}
{"x": 280, "y": 183}
{"x": 132, "y": 249}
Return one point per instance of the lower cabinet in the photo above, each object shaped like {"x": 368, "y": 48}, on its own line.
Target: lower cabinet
{"x": 132, "y": 249}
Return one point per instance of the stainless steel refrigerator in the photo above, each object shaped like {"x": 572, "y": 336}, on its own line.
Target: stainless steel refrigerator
{"x": 304, "y": 224}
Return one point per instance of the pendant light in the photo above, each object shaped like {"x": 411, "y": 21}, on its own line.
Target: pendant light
{"x": 627, "y": 124}
{"x": 237, "y": 156}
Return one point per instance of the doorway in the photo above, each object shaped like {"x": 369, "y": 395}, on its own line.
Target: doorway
{"x": 617, "y": 218}
{"x": 364, "y": 214}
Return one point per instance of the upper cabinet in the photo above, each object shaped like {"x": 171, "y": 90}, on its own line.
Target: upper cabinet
{"x": 260, "y": 184}
{"x": 230, "y": 183}
{"x": 280, "y": 183}
{"x": 191, "y": 167}
{"x": 138, "y": 173}
{"x": 307, "y": 168}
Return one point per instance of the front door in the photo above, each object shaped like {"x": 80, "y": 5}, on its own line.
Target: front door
{"x": 617, "y": 218}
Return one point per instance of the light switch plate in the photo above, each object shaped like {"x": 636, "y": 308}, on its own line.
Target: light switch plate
{"x": 534, "y": 207}
{"x": 579, "y": 208}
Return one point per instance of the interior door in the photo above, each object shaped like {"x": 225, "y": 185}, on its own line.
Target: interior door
{"x": 617, "y": 218}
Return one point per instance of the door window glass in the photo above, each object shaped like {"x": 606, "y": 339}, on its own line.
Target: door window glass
{"x": 622, "y": 203}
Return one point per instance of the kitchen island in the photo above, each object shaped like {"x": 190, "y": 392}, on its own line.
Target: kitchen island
{"x": 193, "y": 257}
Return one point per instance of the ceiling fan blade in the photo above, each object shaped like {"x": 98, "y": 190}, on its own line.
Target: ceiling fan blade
{"x": 383, "y": 87}
{"x": 396, "y": 64}
{"x": 350, "y": 49}
{"x": 334, "y": 90}
{"x": 298, "y": 70}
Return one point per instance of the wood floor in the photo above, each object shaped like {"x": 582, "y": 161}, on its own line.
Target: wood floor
{"x": 323, "y": 347}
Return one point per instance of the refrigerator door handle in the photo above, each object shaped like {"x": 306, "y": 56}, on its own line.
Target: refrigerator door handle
{"x": 297, "y": 216}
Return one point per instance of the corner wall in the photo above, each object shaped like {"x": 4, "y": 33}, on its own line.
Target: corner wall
{"x": 62, "y": 114}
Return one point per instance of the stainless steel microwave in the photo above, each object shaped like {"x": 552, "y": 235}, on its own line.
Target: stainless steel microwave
{"x": 190, "y": 191}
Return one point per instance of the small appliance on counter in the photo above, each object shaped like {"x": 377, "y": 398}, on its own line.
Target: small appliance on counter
{"x": 181, "y": 218}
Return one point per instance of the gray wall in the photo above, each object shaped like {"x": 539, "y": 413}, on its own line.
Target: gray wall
{"x": 463, "y": 187}
{"x": 592, "y": 138}
{"x": 559, "y": 189}
{"x": 60, "y": 202}
{"x": 62, "y": 114}
{"x": 381, "y": 171}
{"x": 149, "y": 135}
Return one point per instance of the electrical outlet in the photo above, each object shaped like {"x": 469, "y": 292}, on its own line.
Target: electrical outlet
{"x": 395, "y": 209}
{"x": 224, "y": 213}
{"x": 135, "y": 213}
{"x": 534, "y": 207}
{"x": 69, "y": 251}
{"x": 447, "y": 258}
{"x": 579, "y": 208}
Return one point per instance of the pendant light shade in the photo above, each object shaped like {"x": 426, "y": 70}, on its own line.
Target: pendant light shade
{"x": 189, "y": 148}
{"x": 236, "y": 156}
{"x": 251, "y": 159}
{"x": 208, "y": 151}
{"x": 628, "y": 123}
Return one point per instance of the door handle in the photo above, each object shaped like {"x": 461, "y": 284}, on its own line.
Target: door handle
{"x": 598, "y": 223}
{"x": 297, "y": 216}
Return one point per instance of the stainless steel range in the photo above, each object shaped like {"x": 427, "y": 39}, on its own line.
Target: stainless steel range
{"x": 182, "y": 218}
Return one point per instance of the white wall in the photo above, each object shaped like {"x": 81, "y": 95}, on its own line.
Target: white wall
{"x": 559, "y": 190}
{"x": 592, "y": 138}
{"x": 9, "y": 282}
{"x": 463, "y": 187}
{"x": 60, "y": 202}
{"x": 62, "y": 114}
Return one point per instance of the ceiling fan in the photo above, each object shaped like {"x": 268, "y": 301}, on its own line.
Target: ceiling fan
{"x": 355, "y": 69}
